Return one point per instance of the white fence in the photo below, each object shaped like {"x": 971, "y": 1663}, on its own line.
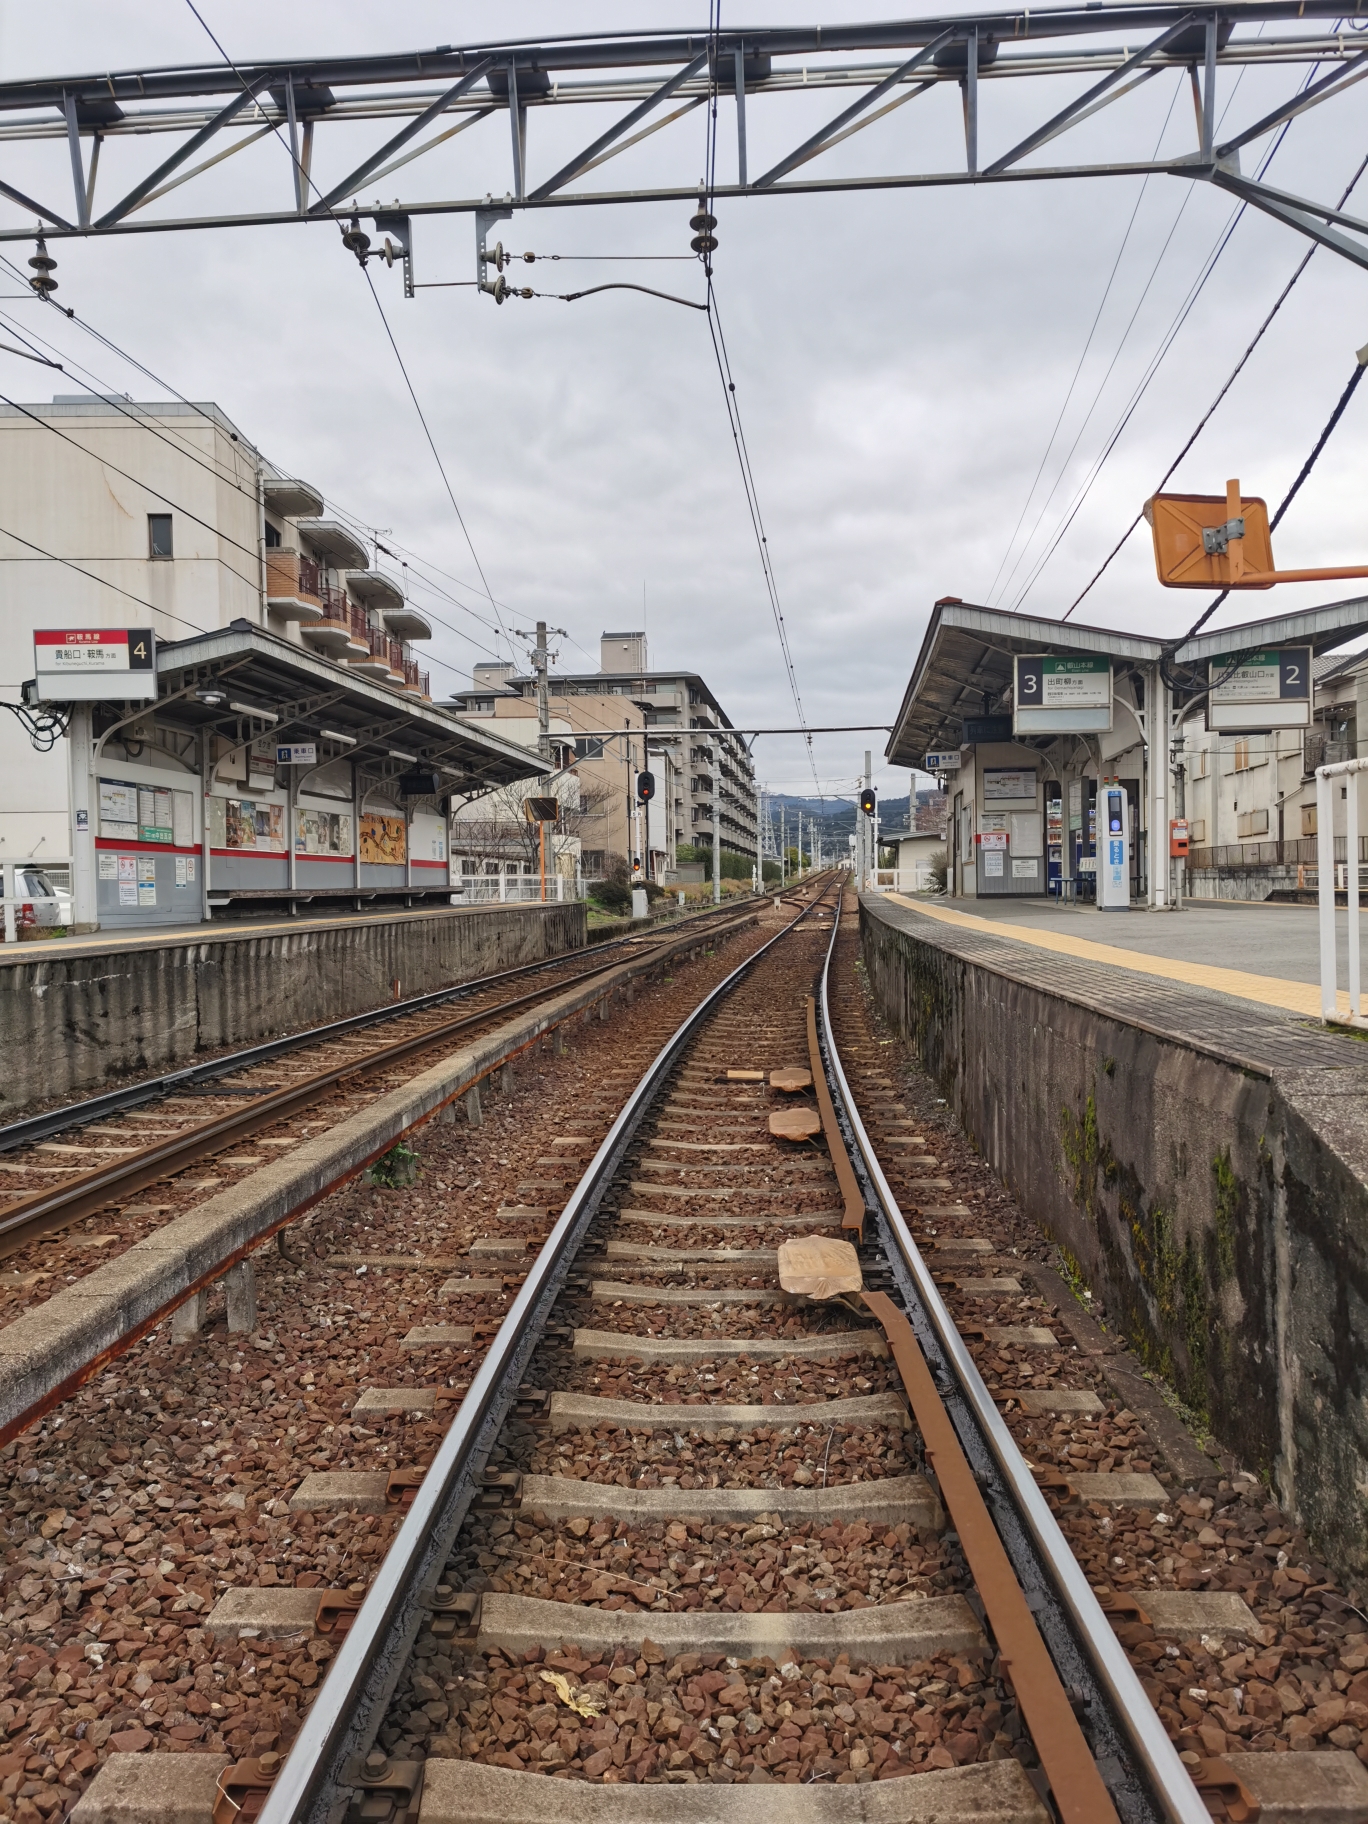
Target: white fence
{"x": 917, "y": 879}
{"x": 501, "y": 889}
{"x": 1331, "y": 875}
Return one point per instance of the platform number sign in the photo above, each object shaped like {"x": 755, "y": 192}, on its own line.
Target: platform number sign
{"x": 1061, "y": 693}
{"x": 95, "y": 664}
{"x": 1252, "y": 691}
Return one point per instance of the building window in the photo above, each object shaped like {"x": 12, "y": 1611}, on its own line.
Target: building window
{"x": 159, "y": 535}
{"x": 272, "y": 537}
{"x": 1242, "y": 758}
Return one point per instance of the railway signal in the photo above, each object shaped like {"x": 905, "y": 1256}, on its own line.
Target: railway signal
{"x": 645, "y": 787}
{"x": 868, "y": 800}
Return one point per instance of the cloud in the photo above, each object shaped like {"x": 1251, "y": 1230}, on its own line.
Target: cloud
{"x": 900, "y": 358}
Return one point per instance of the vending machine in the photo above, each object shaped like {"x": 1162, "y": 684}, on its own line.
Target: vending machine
{"x": 1113, "y": 848}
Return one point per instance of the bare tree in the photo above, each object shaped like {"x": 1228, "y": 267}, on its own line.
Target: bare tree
{"x": 498, "y": 830}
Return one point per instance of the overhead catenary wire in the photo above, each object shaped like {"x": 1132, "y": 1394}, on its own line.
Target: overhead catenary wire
{"x": 1155, "y": 362}
{"x": 1077, "y": 373}
{"x": 411, "y": 561}
{"x": 1295, "y": 489}
{"x": 1230, "y": 380}
{"x": 720, "y": 356}
{"x": 301, "y": 172}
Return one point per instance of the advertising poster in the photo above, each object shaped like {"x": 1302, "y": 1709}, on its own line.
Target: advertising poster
{"x": 323, "y": 833}
{"x": 384, "y": 840}
{"x": 248, "y": 824}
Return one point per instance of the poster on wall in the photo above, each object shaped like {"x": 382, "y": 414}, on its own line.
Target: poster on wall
{"x": 992, "y": 863}
{"x": 247, "y": 823}
{"x": 119, "y": 809}
{"x": 323, "y": 833}
{"x": 1024, "y": 870}
{"x": 1009, "y": 782}
{"x": 384, "y": 840}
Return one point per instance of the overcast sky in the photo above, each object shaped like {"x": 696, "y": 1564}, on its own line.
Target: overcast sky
{"x": 900, "y": 358}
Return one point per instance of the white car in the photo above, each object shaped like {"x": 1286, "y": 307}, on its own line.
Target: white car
{"x": 51, "y": 905}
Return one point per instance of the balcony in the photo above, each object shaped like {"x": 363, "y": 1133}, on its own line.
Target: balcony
{"x": 342, "y": 631}
{"x": 381, "y": 592}
{"x": 292, "y": 586}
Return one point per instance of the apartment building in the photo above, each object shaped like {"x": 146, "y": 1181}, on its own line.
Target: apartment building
{"x": 1250, "y": 800}
{"x": 283, "y": 744}
{"x": 625, "y": 718}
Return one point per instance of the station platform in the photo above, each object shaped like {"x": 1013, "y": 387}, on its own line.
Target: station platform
{"x": 1265, "y": 954}
{"x": 228, "y": 928}
{"x": 80, "y": 1013}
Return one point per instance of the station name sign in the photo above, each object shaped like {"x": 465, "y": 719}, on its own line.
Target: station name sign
{"x": 1252, "y": 691}
{"x": 946, "y": 761}
{"x": 95, "y": 664}
{"x": 297, "y": 753}
{"x": 1058, "y": 694}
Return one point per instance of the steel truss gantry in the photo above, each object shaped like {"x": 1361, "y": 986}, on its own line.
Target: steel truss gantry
{"x": 651, "y": 81}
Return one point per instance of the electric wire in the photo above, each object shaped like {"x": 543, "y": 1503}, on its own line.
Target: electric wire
{"x": 300, "y": 172}
{"x": 1078, "y": 370}
{"x": 226, "y": 476}
{"x": 1231, "y": 378}
{"x": 1294, "y": 490}
{"x": 103, "y": 581}
{"x": 720, "y": 356}
{"x": 1157, "y": 359}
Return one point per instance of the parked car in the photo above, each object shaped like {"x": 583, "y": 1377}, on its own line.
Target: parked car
{"x": 43, "y": 906}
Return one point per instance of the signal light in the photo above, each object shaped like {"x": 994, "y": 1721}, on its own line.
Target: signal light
{"x": 868, "y": 801}
{"x": 645, "y": 787}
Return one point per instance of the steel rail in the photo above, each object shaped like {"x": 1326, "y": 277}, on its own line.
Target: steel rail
{"x": 1166, "y": 1782}
{"x": 342, "y": 1721}
{"x": 32, "y": 1128}
{"x": 46, "y": 1211}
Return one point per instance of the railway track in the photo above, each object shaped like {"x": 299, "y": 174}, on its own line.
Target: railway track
{"x": 645, "y": 1518}
{"x": 602, "y": 1606}
{"x": 63, "y": 1166}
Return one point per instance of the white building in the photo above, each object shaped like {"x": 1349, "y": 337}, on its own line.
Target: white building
{"x": 289, "y": 750}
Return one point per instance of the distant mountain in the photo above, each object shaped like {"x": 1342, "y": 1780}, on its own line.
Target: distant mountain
{"x": 834, "y": 818}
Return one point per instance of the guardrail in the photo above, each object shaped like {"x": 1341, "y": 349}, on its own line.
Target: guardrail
{"x": 499, "y": 889}
{"x": 1348, "y": 771}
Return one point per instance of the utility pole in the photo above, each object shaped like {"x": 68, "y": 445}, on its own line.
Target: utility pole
{"x": 783, "y": 846}
{"x": 541, "y": 664}
{"x": 866, "y": 831}
{"x": 717, "y": 817}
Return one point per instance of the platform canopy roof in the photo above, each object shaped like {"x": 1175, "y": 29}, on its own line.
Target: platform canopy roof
{"x": 964, "y": 668}
{"x": 245, "y": 683}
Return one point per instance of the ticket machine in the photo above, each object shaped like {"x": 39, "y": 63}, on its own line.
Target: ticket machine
{"x": 1113, "y": 848}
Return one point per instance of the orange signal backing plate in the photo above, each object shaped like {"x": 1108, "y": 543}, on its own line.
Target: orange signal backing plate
{"x": 1177, "y": 521}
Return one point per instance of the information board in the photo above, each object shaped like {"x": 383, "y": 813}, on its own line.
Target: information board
{"x": 1011, "y": 784}
{"x": 1062, "y": 694}
{"x": 1252, "y": 691}
{"x": 95, "y": 664}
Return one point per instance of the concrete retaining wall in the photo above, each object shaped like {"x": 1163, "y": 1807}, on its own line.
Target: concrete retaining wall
{"x": 50, "y": 1350}
{"x": 1219, "y": 1210}
{"x": 77, "y": 1022}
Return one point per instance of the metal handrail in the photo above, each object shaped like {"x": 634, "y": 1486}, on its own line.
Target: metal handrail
{"x": 1349, "y": 771}
{"x": 1145, "y": 1734}
{"x": 340, "y": 1722}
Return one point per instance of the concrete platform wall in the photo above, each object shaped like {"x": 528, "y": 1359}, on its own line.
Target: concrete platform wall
{"x": 75, "y": 1024}
{"x": 1218, "y": 1210}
